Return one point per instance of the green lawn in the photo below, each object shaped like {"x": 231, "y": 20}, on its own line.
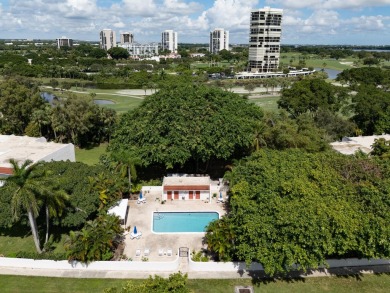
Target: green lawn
{"x": 122, "y": 104}
{"x": 90, "y": 156}
{"x": 365, "y": 283}
{"x": 314, "y": 61}
{"x": 267, "y": 103}
{"x": 18, "y": 238}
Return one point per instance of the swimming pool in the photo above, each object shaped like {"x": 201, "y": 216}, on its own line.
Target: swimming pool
{"x": 182, "y": 222}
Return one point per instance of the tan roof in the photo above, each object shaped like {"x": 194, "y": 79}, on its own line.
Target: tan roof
{"x": 22, "y": 148}
{"x": 350, "y": 145}
{"x": 185, "y": 180}
{"x": 186, "y": 187}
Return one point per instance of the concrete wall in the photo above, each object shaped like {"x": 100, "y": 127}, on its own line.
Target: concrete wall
{"x": 94, "y": 266}
{"x": 240, "y": 266}
{"x": 67, "y": 152}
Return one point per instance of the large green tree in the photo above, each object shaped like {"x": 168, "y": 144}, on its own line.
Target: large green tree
{"x": 118, "y": 53}
{"x": 371, "y": 108}
{"x": 18, "y": 100}
{"x": 310, "y": 95}
{"x": 187, "y": 123}
{"x": 294, "y": 207}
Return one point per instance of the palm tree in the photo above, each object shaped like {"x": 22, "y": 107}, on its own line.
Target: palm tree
{"x": 55, "y": 201}
{"x": 126, "y": 165}
{"x": 28, "y": 188}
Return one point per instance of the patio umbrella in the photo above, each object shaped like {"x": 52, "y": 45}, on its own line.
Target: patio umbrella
{"x": 140, "y": 195}
{"x": 220, "y": 195}
{"x": 135, "y": 230}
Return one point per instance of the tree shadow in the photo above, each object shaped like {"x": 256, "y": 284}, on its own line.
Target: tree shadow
{"x": 261, "y": 278}
{"x": 18, "y": 229}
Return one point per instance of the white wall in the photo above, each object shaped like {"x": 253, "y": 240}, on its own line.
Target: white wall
{"x": 65, "y": 153}
{"x": 136, "y": 266}
{"x": 236, "y": 266}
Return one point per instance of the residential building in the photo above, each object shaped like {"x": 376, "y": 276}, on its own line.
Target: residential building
{"x": 186, "y": 187}
{"x": 169, "y": 41}
{"x": 138, "y": 50}
{"x": 107, "y": 39}
{"x": 264, "y": 42}
{"x": 127, "y": 38}
{"x": 22, "y": 148}
{"x": 219, "y": 40}
{"x": 351, "y": 145}
{"x": 64, "y": 42}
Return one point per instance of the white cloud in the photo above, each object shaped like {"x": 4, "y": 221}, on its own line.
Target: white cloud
{"x": 327, "y": 4}
{"x": 230, "y": 14}
{"x": 142, "y": 8}
{"x": 367, "y": 23}
{"x": 180, "y": 7}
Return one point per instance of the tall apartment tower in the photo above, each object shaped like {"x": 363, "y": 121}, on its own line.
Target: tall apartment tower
{"x": 64, "y": 42}
{"x": 219, "y": 40}
{"x": 264, "y": 42}
{"x": 127, "y": 38}
{"x": 107, "y": 39}
{"x": 169, "y": 41}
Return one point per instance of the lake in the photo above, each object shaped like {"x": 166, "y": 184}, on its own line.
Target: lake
{"x": 332, "y": 73}
{"x": 51, "y": 97}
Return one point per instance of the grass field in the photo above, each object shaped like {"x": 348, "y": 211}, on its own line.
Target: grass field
{"x": 90, "y": 156}
{"x": 357, "y": 284}
{"x": 314, "y": 61}
{"x": 267, "y": 103}
{"x": 18, "y": 238}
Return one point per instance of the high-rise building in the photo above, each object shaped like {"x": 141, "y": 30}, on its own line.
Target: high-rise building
{"x": 264, "y": 42}
{"x": 107, "y": 39}
{"x": 64, "y": 42}
{"x": 127, "y": 38}
{"x": 219, "y": 40}
{"x": 169, "y": 41}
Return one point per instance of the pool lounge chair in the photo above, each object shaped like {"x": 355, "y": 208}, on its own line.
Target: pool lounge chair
{"x": 138, "y": 252}
{"x": 141, "y": 200}
{"x": 135, "y": 235}
{"x": 169, "y": 252}
{"x": 160, "y": 252}
{"x": 146, "y": 252}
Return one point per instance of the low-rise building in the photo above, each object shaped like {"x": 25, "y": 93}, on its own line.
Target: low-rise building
{"x": 186, "y": 187}
{"x": 22, "y": 148}
{"x": 350, "y": 145}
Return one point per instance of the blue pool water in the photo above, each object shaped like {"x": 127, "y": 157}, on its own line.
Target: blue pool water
{"x": 179, "y": 222}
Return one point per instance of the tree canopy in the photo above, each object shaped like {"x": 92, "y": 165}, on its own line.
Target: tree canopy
{"x": 118, "y": 53}
{"x": 187, "y": 123}
{"x": 310, "y": 95}
{"x": 292, "y": 207}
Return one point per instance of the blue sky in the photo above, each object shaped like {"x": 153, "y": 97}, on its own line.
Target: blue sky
{"x": 354, "y": 22}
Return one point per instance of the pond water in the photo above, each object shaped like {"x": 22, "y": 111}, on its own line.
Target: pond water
{"x": 103, "y": 102}
{"x": 332, "y": 73}
{"x": 48, "y": 97}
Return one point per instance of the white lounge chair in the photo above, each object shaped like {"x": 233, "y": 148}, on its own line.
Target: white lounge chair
{"x": 169, "y": 252}
{"x": 146, "y": 252}
{"x": 138, "y": 252}
{"x": 141, "y": 200}
{"x": 161, "y": 252}
{"x": 135, "y": 235}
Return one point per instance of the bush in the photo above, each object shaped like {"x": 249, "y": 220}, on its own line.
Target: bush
{"x": 43, "y": 255}
{"x": 199, "y": 257}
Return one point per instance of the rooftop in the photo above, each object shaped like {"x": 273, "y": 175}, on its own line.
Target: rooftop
{"x": 350, "y": 145}
{"x": 22, "y": 148}
{"x": 185, "y": 180}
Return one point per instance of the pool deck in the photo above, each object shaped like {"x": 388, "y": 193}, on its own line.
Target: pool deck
{"x": 140, "y": 215}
